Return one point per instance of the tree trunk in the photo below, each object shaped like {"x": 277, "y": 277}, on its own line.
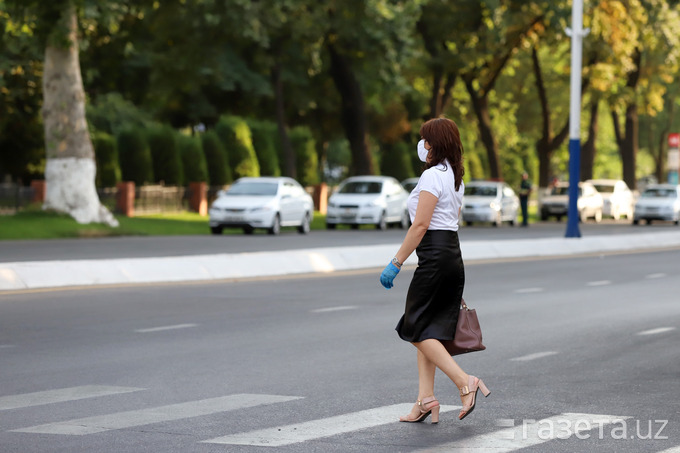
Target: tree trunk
{"x": 588, "y": 151}
{"x": 353, "y": 112}
{"x": 480, "y": 105}
{"x": 289, "y": 164}
{"x": 630, "y": 146}
{"x": 70, "y": 169}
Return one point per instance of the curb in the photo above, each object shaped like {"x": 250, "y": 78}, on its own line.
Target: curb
{"x": 63, "y": 273}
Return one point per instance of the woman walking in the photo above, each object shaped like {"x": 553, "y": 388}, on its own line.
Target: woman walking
{"x": 433, "y": 298}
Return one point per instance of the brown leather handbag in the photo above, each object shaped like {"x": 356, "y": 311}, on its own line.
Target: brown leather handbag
{"x": 468, "y": 337}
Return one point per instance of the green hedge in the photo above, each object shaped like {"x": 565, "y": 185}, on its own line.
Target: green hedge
{"x": 265, "y": 138}
{"x": 237, "y": 140}
{"x": 216, "y": 159}
{"x": 106, "y": 156}
{"x": 306, "y": 159}
{"x": 167, "y": 163}
{"x": 193, "y": 159}
{"x": 134, "y": 156}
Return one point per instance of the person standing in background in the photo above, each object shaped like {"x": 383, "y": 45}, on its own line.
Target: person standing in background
{"x": 524, "y": 192}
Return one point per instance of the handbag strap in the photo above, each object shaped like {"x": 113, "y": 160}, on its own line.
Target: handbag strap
{"x": 463, "y": 305}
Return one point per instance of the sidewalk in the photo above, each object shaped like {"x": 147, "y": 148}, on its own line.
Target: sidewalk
{"x": 50, "y": 274}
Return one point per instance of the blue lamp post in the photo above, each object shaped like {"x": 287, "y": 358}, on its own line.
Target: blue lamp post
{"x": 577, "y": 33}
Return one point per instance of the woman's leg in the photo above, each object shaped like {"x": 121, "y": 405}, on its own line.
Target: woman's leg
{"x": 436, "y": 353}
{"x": 426, "y": 370}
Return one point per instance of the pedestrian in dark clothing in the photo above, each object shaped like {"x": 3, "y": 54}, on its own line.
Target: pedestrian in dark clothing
{"x": 524, "y": 192}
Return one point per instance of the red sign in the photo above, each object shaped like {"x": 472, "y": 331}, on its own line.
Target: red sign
{"x": 674, "y": 140}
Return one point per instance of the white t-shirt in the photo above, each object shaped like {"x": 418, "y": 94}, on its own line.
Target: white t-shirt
{"x": 440, "y": 182}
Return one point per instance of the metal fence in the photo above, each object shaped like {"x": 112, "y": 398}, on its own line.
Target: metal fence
{"x": 14, "y": 197}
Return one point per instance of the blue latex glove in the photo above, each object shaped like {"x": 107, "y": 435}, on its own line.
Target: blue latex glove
{"x": 387, "y": 276}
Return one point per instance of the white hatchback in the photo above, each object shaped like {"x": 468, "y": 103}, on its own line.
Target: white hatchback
{"x": 266, "y": 202}
{"x": 489, "y": 201}
{"x": 658, "y": 202}
{"x": 617, "y": 198}
{"x": 590, "y": 203}
{"x": 372, "y": 200}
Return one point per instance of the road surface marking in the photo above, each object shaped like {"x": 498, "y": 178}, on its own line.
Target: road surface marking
{"x": 60, "y": 396}
{"x": 671, "y": 450}
{"x": 316, "y": 429}
{"x": 659, "y": 275}
{"x": 656, "y": 331}
{"x": 159, "y": 329}
{"x": 600, "y": 283}
{"x": 7, "y": 346}
{"x": 528, "y": 290}
{"x": 121, "y": 420}
{"x": 529, "y": 433}
{"x": 330, "y": 309}
{"x": 537, "y": 355}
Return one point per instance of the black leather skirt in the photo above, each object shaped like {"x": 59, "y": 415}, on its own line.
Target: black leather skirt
{"x": 433, "y": 299}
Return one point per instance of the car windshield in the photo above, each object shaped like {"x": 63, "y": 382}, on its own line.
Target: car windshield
{"x": 481, "y": 191}
{"x": 560, "y": 190}
{"x": 361, "y": 187}
{"x": 659, "y": 193}
{"x": 253, "y": 188}
{"x": 604, "y": 188}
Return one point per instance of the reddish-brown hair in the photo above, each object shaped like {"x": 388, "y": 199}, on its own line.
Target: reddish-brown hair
{"x": 444, "y": 138}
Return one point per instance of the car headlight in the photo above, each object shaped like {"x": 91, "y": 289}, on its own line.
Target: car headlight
{"x": 493, "y": 205}
{"x": 377, "y": 202}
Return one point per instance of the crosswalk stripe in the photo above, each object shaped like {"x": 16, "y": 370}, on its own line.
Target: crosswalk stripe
{"x": 60, "y": 395}
{"x": 171, "y": 412}
{"x": 537, "y": 355}
{"x": 528, "y": 434}
{"x": 325, "y": 427}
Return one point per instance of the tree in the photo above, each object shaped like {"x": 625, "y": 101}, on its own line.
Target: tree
{"x": 70, "y": 168}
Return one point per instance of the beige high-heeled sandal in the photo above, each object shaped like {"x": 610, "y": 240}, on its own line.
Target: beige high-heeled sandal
{"x": 429, "y": 405}
{"x": 474, "y": 384}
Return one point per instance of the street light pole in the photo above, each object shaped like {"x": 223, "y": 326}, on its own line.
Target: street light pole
{"x": 577, "y": 33}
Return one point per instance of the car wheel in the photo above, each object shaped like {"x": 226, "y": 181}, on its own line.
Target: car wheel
{"x": 615, "y": 213}
{"x": 330, "y": 226}
{"x": 598, "y": 216}
{"x": 248, "y": 230}
{"x": 354, "y": 226}
{"x": 405, "y": 220}
{"x": 544, "y": 217}
{"x": 648, "y": 221}
{"x": 216, "y": 230}
{"x": 468, "y": 223}
{"x": 304, "y": 227}
{"x": 636, "y": 221}
{"x": 382, "y": 224}
{"x": 276, "y": 226}
{"x": 559, "y": 218}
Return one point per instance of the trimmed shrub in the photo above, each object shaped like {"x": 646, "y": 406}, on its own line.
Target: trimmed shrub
{"x": 265, "y": 137}
{"x": 216, "y": 159}
{"x": 395, "y": 161}
{"x": 193, "y": 159}
{"x": 237, "y": 140}
{"x": 167, "y": 164}
{"x": 134, "y": 156}
{"x": 106, "y": 156}
{"x": 306, "y": 159}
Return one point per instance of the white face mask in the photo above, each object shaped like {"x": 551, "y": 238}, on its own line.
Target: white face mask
{"x": 422, "y": 151}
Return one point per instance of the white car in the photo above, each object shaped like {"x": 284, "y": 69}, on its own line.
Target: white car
{"x": 267, "y": 202}
{"x": 658, "y": 202}
{"x": 618, "y": 199}
{"x": 489, "y": 201}
{"x": 373, "y": 200}
{"x": 410, "y": 184}
{"x": 556, "y": 203}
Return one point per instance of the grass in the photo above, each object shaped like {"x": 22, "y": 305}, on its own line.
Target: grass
{"x": 33, "y": 223}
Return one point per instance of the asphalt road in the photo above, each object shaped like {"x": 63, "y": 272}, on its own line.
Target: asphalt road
{"x": 161, "y": 246}
{"x": 310, "y": 364}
